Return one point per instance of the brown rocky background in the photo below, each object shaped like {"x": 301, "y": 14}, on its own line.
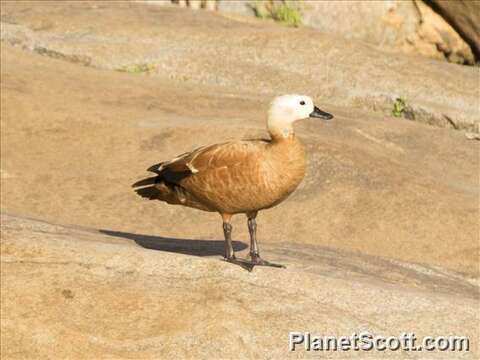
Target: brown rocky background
{"x": 438, "y": 29}
{"x": 382, "y": 235}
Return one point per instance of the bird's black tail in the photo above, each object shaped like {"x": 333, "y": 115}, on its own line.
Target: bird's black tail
{"x": 145, "y": 191}
{"x": 148, "y": 181}
{"x": 149, "y": 192}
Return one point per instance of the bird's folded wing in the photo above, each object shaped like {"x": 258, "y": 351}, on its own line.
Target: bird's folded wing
{"x": 209, "y": 158}
{"x": 187, "y": 162}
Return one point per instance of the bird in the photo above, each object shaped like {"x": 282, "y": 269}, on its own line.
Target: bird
{"x": 239, "y": 177}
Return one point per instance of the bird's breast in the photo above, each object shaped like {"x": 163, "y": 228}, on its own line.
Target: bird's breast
{"x": 283, "y": 171}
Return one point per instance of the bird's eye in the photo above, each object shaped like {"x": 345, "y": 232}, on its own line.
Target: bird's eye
{"x": 302, "y": 102}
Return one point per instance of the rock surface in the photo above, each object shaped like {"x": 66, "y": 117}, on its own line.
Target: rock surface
{"x": 167, "y": 39}
{"x": 382, "y": 235}
{"x": 407, "y": 26}
{"x": 68, "y": 292}
{"x": 374, "y": 184}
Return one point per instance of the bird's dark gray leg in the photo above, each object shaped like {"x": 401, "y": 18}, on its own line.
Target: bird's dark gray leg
{"x": 252, "y": 229}
{"x": 254, "y": 251}
{"x": 229, "y": 253}
{"x": 227, "y": 232}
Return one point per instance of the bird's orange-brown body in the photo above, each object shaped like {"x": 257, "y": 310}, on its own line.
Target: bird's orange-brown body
{"x": 235, "y": 177}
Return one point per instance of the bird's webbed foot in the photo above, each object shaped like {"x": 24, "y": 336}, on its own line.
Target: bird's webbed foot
{"x": 245, "y": 264}
{"x": 258, "y": 261}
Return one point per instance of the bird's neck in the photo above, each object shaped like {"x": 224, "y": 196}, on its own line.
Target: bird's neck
{"x": 287, "y": 156}
{"x": 280, "y": 130}
{"x": 288, "y": 144}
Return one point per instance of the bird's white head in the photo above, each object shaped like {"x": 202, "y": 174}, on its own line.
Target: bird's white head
{"x": 286, "y": 109}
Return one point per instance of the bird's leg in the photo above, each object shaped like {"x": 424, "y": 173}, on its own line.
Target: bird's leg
{"x": 252, "y": 229}
{"x": 229, "y": 253}
{"x": 254, "y": 252}
{"x": 227, "y": 232}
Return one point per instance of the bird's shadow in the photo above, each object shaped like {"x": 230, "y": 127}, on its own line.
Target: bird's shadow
{"x": 180, "y": 246}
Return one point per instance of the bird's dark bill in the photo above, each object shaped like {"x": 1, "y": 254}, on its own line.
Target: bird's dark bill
{"x": 317, "y": 113}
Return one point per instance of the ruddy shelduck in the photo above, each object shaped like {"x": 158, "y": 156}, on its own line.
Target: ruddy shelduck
{"x": 240, "y": 176}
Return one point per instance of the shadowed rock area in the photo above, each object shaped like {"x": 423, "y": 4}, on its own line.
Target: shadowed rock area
{"x": 382, "y": 235}
{"x": 464, "y": 16}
